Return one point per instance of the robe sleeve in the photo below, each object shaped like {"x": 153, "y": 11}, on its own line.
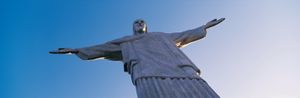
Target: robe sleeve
{"x": 103, "y": 51}
{"x": 183, "y": 38}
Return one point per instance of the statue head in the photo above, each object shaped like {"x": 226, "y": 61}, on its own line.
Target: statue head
{"x": 139, "y": 27}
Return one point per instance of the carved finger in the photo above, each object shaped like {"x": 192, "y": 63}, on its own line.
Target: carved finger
{"x": 55, "y": 52}
{"x": 61, "y": 48}
{"x": 220, "y": 20}
{"x": 213, "y": 20}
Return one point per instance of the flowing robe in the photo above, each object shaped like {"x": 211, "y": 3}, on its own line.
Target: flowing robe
{"x": 156, "y": 64}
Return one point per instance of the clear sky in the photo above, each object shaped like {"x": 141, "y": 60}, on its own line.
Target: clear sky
{"x": 254, "y": 53}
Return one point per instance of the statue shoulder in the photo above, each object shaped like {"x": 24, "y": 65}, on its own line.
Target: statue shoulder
{"x": 157, "y": 33}
{"x": 125, "y": 39}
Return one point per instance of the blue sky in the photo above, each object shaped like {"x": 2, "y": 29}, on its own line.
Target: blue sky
{"x": 254, "y": 53}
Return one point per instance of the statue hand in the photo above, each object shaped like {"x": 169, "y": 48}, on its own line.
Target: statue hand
{"x": 213, "y": 22}
{"x": 64, "y": 51}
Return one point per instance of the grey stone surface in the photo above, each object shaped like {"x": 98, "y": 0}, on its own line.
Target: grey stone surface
{"x": 158, "y": 68}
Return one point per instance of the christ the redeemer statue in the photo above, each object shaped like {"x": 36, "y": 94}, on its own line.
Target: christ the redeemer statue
{"x": 158, "y": 68}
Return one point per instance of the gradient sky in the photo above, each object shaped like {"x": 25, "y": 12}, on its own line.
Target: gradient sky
{"x": 254, "y": 53}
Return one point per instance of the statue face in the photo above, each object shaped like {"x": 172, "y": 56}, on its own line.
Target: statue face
{"x": 139, "y": 27}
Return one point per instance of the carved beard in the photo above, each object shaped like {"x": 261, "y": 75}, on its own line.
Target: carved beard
{"x": 139, "y": 27}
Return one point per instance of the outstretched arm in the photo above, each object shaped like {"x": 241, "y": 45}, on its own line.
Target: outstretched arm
{"x": 183, "y": 38}
{"x": 107, "y": 51}
{"x": 64, "y": 51}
